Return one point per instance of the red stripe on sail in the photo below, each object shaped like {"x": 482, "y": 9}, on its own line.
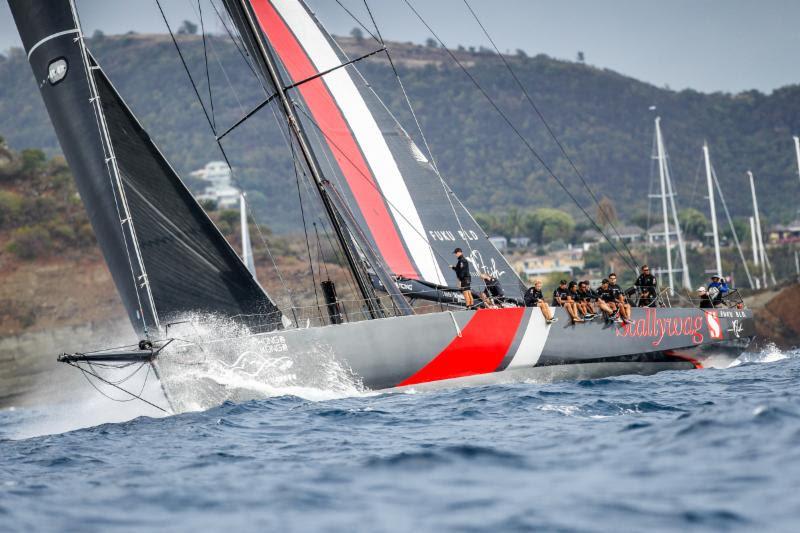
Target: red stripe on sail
{"x": 480, "y": 349}
{"x": 339, "y": 138}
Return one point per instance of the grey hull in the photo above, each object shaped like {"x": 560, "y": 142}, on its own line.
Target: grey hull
{"x": 466, "y": 347}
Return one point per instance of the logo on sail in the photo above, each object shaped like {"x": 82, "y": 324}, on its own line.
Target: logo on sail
{"x": 714, "y": 327}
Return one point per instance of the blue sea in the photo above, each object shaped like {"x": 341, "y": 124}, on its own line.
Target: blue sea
{"x": 692, "y": 450}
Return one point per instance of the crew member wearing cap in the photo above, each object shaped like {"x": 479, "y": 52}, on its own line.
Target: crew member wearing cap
{"x": 717, "y": 289}
{"x": 705, "y": 301}
{"x": 464, "y": 278}
{"x": 646, "y": 285}
{"x": 493, "y": 290}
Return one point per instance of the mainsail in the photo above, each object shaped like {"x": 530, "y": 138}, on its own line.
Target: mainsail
{"x": 166, "y": 257}
{"x": 397, "y": 197}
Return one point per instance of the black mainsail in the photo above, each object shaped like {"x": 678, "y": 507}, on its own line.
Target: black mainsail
{"x": 398, "y": 199}
{"x": 165, "y": 255}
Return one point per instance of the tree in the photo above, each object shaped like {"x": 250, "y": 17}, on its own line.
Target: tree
{"x": 581, "y": 57}
{"x": 357, "y": 34}
{"x": 693, "y": 223}
{"x": 33, "y": 161}
{"x": 430, "y": 42}
{"x": 188, "y": 28}
{"x": 606, "y": 212}
{"x": 551, "y": 224}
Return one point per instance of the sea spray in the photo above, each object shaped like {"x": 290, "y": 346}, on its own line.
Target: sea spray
{"x": 214, "y": 360}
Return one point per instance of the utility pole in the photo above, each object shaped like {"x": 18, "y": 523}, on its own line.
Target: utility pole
{"x": 713, "y": 208}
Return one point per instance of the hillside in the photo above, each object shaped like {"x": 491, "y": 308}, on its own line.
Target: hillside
{"x": 601, "y": 116}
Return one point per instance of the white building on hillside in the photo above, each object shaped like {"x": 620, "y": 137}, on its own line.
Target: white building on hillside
{"x": 220, "y": 190}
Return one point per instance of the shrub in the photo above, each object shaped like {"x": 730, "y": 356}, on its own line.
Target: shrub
{"x": 30, "y": 242}
{"x": 11, "y": 206}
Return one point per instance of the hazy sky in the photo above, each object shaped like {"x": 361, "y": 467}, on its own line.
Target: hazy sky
{"x": 708, "y": 45}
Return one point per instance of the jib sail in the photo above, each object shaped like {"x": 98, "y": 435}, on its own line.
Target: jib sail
{"x": 413, "y": 220}
{"x": 166, "y": 257}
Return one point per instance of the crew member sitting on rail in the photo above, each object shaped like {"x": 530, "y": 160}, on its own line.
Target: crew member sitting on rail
{"x": 493, "y": 290}
{"x": 571, "y": 303}
{"x": 560, "y": 294}
{"x": 619, "y": 297}
{"x": 464, "y": 278}
{"x": 705, "y": 301}
{"x": 646, "y": 285}
{"x": 606, "y": 302}
{"x": 717, "y": 289}
{"x": 533, "y": 297}
{"x": 586, "y": 299}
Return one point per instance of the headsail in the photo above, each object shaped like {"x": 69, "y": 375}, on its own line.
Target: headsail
{"x": 166, "y": 257}
{"x": 413, "y": 220}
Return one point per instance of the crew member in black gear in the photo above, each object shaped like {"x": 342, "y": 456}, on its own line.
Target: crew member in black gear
{"x": 464, "y": 278}
{"x": 646, "y": 285}
{"x": 571, "y": 303}
{"x": 619, "y": 297}
{"x": 493, "y": 290}
{"x": 585, "y": 298}
{"x": 533, "y": 297}
{"x": 606, "y": 302}
{"x": 560, "y": 294}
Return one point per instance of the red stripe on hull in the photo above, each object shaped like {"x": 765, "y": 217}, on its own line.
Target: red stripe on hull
{"x": 480, "y": 349}
{"x": 339, "y": 138}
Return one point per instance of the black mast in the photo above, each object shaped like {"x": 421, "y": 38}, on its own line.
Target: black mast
{"x": 330, "y": 201}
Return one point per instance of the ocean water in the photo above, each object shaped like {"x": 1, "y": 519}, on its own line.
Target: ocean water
{"x": 692, "y": 450}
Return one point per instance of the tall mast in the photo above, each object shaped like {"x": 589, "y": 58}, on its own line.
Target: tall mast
{"x": 662, "y": 176}
{"x": 712, "y": 206}
{"x": 754, "y": 244}
{"x": 685, "y": 278}
{"x": 797, "y": 151}
{"x": 247, "y": 248}
{"x": 319, "y": 181}
{"x": 759, "y": 237}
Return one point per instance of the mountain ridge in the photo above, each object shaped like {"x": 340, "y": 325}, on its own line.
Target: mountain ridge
{"x": 601, "y": 116}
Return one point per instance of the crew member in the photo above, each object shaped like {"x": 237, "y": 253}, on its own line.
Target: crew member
{"x": 717, "y": 289}
{"x": 606, "y": 302}
{"x": 493, "y": 290}
{"x": 586, "y": 299}
{"x": 560, "y": 294}
{"x": 646, "y": 285}
{"x": 533, "y": 297}
{"x": 619, "y": 297}
{"x": 705, "y": 301}
{"x": 571, "y": 303}
{"x": 464, "y": 278}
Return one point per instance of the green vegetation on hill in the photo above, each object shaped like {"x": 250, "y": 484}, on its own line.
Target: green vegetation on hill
{"x": 600, "y": 116}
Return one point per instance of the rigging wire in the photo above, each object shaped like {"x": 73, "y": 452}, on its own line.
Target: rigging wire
{"x": 525, "y": 141}
{"x": 205, "y": 60}
{"x": 550, "y": 130}
{"x": 205, "y": 112}
{"x": 101, "y": 378}
{"x": 730, "y": 223}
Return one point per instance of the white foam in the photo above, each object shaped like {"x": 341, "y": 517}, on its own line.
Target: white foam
{"x": 218, "y": 361}
{"x": 769, "y": 354}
